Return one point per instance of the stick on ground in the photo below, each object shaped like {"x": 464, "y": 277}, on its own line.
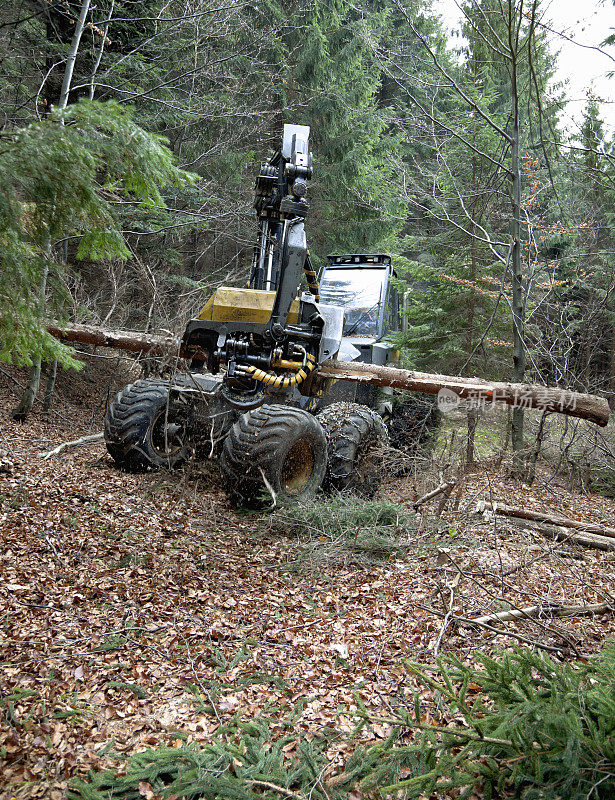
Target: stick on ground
{"x": 95, "y": 437}
{"x": 531, "y": 612}
{"x": 444, "y": 487}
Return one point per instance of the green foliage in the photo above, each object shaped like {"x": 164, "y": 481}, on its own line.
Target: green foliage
{"x": 603, "y": 483}
{"x": 240, "y": 754}
{"x": 57, "y": 178}
{"x": 137, "y": 690}
{"x": 449, "y": 300}
{"x": 344, "y": 527}
{"x": 521, "y": 724}
{"x": 459, "y": 283}
{"x": 525, "y": 725}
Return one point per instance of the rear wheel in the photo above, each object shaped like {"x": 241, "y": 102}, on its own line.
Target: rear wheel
{"x": 275, "y": 449}
{"x": 413, "y": 426}
{"x": 146, "y": 429}
{"x": 356, "y": 438}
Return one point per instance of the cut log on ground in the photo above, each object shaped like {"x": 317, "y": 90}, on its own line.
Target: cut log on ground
{"x": 545, "y": 610}
{"x": 542, "y": 516}
{"x": 584, "y": 406}
{"x": 564, "y": 535}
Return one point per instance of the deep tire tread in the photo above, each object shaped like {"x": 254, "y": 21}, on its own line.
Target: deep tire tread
{"x": 258, "y": 440}
{"x": 356, "y": 436}
{"x": 127, "y": 422}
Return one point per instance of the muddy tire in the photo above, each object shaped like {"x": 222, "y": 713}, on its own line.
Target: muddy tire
{"x": 277, "y": 445}
{"x": 413, "y": 426}
{"x": 356, "y": 439}
{"x": 145, "y": 430}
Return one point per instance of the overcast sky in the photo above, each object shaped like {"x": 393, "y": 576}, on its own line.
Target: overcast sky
{"x": 587, "y": 22}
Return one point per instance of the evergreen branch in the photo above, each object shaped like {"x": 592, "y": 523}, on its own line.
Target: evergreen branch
{"x": 428, "y": 115}
{"x": 459, "y": 732}
{"x": 478, "y": 31}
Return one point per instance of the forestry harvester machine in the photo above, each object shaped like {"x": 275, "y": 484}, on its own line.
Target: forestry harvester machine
{"x": 253, "y": 384}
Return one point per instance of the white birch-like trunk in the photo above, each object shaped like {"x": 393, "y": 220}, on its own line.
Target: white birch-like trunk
{"x": 72, "y": 54}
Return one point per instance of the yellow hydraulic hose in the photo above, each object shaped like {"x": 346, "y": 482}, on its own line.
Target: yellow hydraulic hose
{"x": 279, "y": 381}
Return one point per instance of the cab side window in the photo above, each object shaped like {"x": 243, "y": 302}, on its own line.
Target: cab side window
{"x": 392, "y": 312}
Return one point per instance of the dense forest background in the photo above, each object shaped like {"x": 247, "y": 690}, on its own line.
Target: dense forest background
{"x": 132, "y": 130}
{"x": 172, "y": 646}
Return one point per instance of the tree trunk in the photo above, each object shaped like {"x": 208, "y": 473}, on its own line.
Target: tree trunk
{"x": 584, "y": 406}
{"x": 101, "y": 49}
{"x": 518, "y": 299}
{"x": 472, "y": 418}
{"x": 72, "y": 54}
{"x": 51, "y": 385}
{"x": 26, "y": 401}
{"x": 536, "y": 449}
{"x": 612, "y": 369}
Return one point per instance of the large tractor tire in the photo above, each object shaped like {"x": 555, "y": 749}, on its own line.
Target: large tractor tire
{"x": 356, "y": 439}
{"x": 145, "y": 430}
{"x": 413, "y": 426}
{"x": 277, "y": 450}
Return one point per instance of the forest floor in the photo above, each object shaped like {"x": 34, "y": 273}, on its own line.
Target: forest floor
{"x": 129, "y": 603}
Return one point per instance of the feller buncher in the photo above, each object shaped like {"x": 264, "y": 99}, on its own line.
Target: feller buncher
{"x": 253, "y": 386}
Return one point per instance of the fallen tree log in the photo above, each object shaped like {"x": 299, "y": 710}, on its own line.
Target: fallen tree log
{"x": 545, "y": 610}
{"x": 568, "y": 535}
{"x": 541, "y": 516}
{"x": 450, "y": 388}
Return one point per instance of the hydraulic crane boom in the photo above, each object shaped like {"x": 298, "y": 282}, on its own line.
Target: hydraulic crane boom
{"x": 265, "y": 338}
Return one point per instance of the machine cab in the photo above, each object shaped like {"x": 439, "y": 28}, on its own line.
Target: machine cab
{"x": 360, "y": 284}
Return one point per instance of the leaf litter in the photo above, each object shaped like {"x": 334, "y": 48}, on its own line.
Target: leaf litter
{"x": 141, "y": 610}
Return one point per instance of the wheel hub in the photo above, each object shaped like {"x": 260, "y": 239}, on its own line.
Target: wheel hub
{"x": 167, "y": 436}
{"x": 297, "y": 468}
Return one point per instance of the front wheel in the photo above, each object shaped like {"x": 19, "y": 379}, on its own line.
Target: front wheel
{"x": 274, "y": 449}
{"x": 147, "y": 429}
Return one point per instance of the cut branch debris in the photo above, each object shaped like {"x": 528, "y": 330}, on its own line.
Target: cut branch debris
{"x": 444, "y": 487}
{"x": 57, "y": 450}
{"x": 543, "y": 610}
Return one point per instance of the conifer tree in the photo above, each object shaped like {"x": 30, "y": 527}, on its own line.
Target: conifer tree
{"x": 57, "y": 175}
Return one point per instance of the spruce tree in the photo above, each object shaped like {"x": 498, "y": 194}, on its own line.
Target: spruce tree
{"x": 58, "y": 176}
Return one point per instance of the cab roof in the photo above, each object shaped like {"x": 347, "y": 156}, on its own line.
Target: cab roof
{"x": 359, "y": 260}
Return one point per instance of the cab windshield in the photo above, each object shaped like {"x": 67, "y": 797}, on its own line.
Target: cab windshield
{"x": 360, "y": 292}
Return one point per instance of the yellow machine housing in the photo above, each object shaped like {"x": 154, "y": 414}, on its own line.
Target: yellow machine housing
{"x": 228, "y": 304}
